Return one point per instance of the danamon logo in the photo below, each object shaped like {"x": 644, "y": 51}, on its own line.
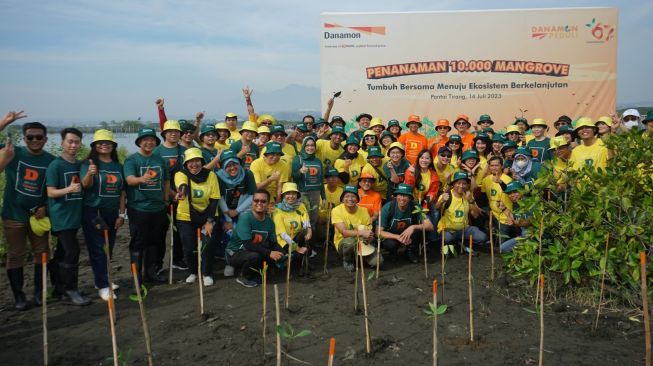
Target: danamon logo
{"x": 358, "y": 31}
{"x": 554, "y": 31}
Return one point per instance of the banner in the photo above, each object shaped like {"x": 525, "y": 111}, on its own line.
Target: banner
{"x": 505, "y": 63}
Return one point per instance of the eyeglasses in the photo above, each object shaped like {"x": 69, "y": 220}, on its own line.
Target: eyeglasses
{"x": 445, "y": 156}
{"x": 34, "y": 137}
{"x": 260, "y": 202}
{"x": 188, "y": 132}
{"x": 454, "y": 142}
{"x": 103, "y": 143}
{"x": 370, "y": 138}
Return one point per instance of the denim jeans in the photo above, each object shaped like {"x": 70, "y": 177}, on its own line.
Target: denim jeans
{"x": 507, "y": 245}
{"x": 478, "y": 237}
{"x": 95, "y": 242}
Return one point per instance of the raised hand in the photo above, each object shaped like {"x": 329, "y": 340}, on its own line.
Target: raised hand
{"x": 303, "y": 169}
{"x": 199, "y": 116}
{"x": 247, "y": 92}
{"x": 75, "y": 186}
{"x": 159, "y": 103}
{"x": 92, "y": 168}
{"x": 12, "y": 116}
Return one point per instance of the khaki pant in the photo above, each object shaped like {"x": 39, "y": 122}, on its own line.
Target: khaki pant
{"x": 15, "y": 233}
{"x": 346, "y": 250}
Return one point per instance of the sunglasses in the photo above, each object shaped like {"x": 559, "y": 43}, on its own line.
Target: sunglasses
{"x": 34, "y": 137}
{"x": 460, "y": 123}
{"x": 445, "y": 156}
{"x": 454, "y": 142}
{"x": 630, "y": 118}
{"x": 187, "y": 132}
{"x": 260, "y": 202}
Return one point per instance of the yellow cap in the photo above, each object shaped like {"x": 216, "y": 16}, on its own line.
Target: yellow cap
{"x": 376, "y": 121}
{"x": 368, "y": 133}
{"x": 605, "y": 119}
{"x": 103, "y": 135}
{"x": 263, "y": 129}
{"x": 397, "y": 145}
{"x": 171, "y": 124}
{"x": 41, "y": 226}
{"x": 584, "y": 122}
{"x": 231, "y": 115}
{"x": 539, "y": 121}
{"x": 558, "y": 141}
{"x": 250, "y": 126}
{"x": 192, "y": 153}
{"x": 289, "y": 187}
{"x": 512, "y": 128}
{"x": 264, "y": 117}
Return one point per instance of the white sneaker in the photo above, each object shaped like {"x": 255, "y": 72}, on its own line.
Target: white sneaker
{"x": 191, "y": 279}
{"x": 105, "y": 293}
{"x": 229, "y": 271}
{"x": 208, "y": 280}
{"x": 113, "y": 286}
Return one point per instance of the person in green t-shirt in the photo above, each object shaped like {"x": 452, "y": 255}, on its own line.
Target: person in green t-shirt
{"x": 254, "y": 240}
{"x": 65, "y": 206}
{"x": 148, "y": 185}
{"x": 24, "y": 200}
{"x": 307, "y": 173}
{"x": 104, "y": 205}
{"x": 245, "y": 148}
{"x": 539, "y": 145}
{"x": 400, "y": 225}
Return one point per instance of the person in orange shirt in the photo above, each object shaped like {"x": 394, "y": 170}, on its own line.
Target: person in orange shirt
{"x": 462, "y": 125}
{"x": 369, "y": 199}
{"x": 413, "y": 141}
{"x": 442, "y": 128}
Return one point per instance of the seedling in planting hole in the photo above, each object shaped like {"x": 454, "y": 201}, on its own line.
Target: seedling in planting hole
{"x": 287, "y": 331}
{"x": 123, "y": 360}
{"x": 134, "y": 297}
{"x": 431, "y": 310}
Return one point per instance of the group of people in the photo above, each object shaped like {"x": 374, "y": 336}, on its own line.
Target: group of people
{"x": 260, "y": 192}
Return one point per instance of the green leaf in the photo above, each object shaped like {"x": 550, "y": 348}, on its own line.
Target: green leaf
{"x": 442, "y": 309}
{"x": 370, "y": 275}
{"x": 302, "y": 333}
{"x": 282, "y": 330}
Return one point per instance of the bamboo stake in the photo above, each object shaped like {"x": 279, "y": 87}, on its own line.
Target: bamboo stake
{"x": 265, "y": 293}
{"x": 107, "y": 253}
{"x": 368, "y": 343}
{"x": 114, "y": 342}
{"x": 426, "y": 268}
{"x": 326, "y": 242}
{"x": 605, "y": 267}
{"x": 276, "y": 308}
{"x": 541, "y": 319}
{"x": 332, "y": 350}
{"x": 199, "y": 271}
{"x": 647, "y": 324}
{"x": 442, "y": 259}
{"x": 491, "y": 249}
{"x": 539, "y": 256}
{"x": 146, "y": 328}
{"x": 172, "y": 242}
{"x": 356, "y": 278}
{"x": 378, "y": 247}
{"x": 435, "y": 323}
{"x": 44, "y": 301}
{"x": 469, "y": 282}
{"x": 288, "y": 269}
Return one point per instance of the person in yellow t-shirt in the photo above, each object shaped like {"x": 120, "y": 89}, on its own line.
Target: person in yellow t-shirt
{"x": 493, "y": 185}
{"x": 443, "y": 166}
{"x": 231, "y": 120}
{"x": 456, "y": 208}
{"x": 590, "y": 152}
{"x": 375, "y": 168}
{"x": 352, "y": 224}
{"x": 197, "y": 195}
{"x": 333, "y": 191}
{"x": 329, "y": 150}
{"x": 278, "y": 133}
{"x": 270, "y": 172}
{"x": 561, "y": 154}
{"x": 222, "y": 142}
{"x": 350, "y": 163}
{"x": 291, "y": 222}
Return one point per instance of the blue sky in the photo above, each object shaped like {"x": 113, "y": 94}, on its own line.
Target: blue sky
{"x": 84, "y": 60}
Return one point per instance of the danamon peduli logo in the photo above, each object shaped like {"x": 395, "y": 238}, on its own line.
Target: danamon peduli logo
{"x": 554, "y": 31}
{"x": 337, "y": 31}
{"x": 600, "y": 32}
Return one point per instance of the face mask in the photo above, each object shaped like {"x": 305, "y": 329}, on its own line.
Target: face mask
{"x": 521, "y": 163}
{"x": 630, "y": 124}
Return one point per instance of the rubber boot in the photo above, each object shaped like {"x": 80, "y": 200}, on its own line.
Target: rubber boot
{"x": 150, "y": 267}
{"x": 38, "y": 284}
{"x": 72, "y": 295}
{"x": 16, "y": 281}
{"x": 56, "y": 280}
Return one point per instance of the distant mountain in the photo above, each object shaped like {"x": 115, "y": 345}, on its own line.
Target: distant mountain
{"x": 290, "y": 102}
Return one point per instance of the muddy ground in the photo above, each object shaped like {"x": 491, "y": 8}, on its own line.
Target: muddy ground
{"x": 506, "y": 331}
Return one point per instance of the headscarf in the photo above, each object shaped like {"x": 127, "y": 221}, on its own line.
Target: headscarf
{"x": 225, "y": 177}
{"x": 287, "y": 207}
{"x": 522, "y": 172}
{"x": 303, "y": 154}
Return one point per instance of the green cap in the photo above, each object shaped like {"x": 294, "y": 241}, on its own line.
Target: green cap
{"x": 273, "y": 147}
{"x": 482, "y": 136}
{"x": 509, "y": 145}
{"x": 338, "y": 129}
{"x": 459, "y": 175}
{"x": 207, "y": 128}
{"x": 513, "y": 186}
{"x": 358, "y": 118}
{"x": 485, "y": 118}
{"x": 389, "y": 134}
{"x": 521, "y": 120}
{"x": 469, "y": 154}
{"x": 278, "y": 128}
{"x": 144, "y": 132}
{"x": 337, "y": 119}
{"x": 649, "y": 117}
{"x": 301, "y": 126}
{"x": 455, "y": 138}
{"x": 331, "y": 172}
{"x": 374, "y": 152}
{"x": 352, "y": 140}
{"x": 186, "y": 126}
{"x": 320, "y": 121}
{"x": 393, "y": 122}
{"x": 524, "y": 151}
{"x": 498, "y": 138}
{"x": 404, "y": 189}
{"x": 565, "y": 129}
{"x": 350, "y": 189}
{"x": 488, "y": 130}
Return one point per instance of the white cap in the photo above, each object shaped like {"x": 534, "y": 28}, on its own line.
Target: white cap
{"x": 631, "y": 112}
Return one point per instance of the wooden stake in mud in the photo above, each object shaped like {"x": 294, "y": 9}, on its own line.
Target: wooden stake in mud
{"x": 647, "y": 324}
{"x": 44, "y": 301}
{"x": 360, "y": 227}
{"x": 265, "y": 295}
{"x": 107, "y": 253}
{"x": 288, "y": 269}
{"x": 541, "y": 291}
{"x": 276, "y": 308}
{"x": 442, "y": 259}
{"x": 368, "y": 341}
{"x": 605, "y": 267}
{"x": 435, "y": 323}
{"x": 491, "y": 249}
{"x": 112, "y": 325}
{"x": 471, "y": 302}
{"x": 539, "y": 256}
{"x": 199, "y": 270}
{"x": 326, "y": 241}
{"x": 426, "y": 268}
{"x": 332, "y": 351}
{"x": 146, "y": 328}
{"x": 172, "y": 242}
{"x": 378, "y": 246}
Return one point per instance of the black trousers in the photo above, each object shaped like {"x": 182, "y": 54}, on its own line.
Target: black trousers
{"x": 148, "y": 233}
{"x": 246, "y": 263}
{"x": 188, "y": 234}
